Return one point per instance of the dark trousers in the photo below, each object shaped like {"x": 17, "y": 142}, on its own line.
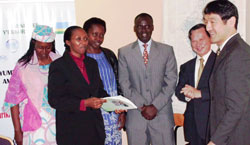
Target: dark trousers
{"x": 196, "y": 139}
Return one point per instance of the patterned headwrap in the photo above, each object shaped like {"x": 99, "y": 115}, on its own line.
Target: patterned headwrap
{"x": 43, "y": 33}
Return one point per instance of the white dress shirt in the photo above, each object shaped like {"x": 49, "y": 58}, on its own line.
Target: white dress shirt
{"x": 197, "y": 66}
{"x": 142, "y": 47}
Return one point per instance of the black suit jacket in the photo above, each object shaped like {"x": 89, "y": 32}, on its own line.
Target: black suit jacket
{"x": 230, "y": 94}
{"x": 197, "y": 110}
{"x": 66, "y": 88}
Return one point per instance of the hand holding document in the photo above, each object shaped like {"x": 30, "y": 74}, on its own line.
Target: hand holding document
{"x": 117, "y": 103}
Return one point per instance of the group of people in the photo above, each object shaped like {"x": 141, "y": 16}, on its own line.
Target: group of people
{"x": 216, "y": 86}
{"x": 57, "y": 100}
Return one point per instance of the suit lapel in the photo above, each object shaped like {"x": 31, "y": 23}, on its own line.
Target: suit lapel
{"x": 74, "y": 70}
{"x": 88, "y": 69}
{"x": 153, "y": 54}
{"x": 137, "y": 54}
{"x": 225, "y": 51}
{"x": 208, "y": 68}
{"x": 192, "y": 72}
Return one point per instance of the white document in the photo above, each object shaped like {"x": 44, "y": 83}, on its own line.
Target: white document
{"x": 118, "y": 103}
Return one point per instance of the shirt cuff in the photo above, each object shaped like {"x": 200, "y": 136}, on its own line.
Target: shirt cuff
{"x": 82, "y": 105}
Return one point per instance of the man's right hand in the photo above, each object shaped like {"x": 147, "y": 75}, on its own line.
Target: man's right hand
{"x": 19, "y": 137}
{"x": 191, "y": 92}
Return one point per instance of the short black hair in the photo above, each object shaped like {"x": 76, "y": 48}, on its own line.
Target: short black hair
{"x": 92, "y": 21}
{"x": 68, "y": 34}
{"x": 143, "y": 15}
{"x": 224, "y": 8}
{"x": 195, "y": 27}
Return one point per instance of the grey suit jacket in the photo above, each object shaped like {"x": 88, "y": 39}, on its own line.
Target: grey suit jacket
{"x": 154, "y": 84}
{"x": 230, "y": 94}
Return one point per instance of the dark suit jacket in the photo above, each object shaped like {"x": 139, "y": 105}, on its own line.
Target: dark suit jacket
{"x": 66, "y": 88}
{"x": 197, "y": 110}
{"x": 230, "y": 94}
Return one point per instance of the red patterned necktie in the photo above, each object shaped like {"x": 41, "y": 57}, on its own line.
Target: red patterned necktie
{"x": 145, "y": 54}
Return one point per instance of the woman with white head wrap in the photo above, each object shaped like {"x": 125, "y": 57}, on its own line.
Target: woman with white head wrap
{"x": 26, "y": 97}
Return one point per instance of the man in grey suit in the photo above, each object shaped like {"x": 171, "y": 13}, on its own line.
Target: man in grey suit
{"x": 147, "y": 75}
{"x": 230, "y": 79}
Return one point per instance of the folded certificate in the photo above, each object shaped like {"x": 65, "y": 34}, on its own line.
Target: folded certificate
{"x": 117, "y": 103}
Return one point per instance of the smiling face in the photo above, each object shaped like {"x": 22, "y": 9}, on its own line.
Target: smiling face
{"x": 42, "y": 49}
{"x": 143, "y": 28}
{"x": 200, "y": 42}
{"x": 218, "y": 29}
{"x": 78, "y": 42}
{"x": 96, "y": 36}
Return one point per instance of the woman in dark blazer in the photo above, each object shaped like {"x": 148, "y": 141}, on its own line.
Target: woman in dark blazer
{"x": 74, "y": 90}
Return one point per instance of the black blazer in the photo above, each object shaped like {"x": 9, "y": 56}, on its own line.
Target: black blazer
{"x": 66, "y": 88}
{"x": 197, "y": 110}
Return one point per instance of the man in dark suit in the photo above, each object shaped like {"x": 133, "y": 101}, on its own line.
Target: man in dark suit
{"x": 230, "y": 79}
{"x": 193, "y": 86}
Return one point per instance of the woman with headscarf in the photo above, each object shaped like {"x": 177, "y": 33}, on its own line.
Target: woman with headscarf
{"x": 27, "y": 98}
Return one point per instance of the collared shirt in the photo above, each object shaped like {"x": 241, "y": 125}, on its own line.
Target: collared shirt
{"x": 197, "y": 65}
{"x": 142, "y": 47}
{"x": 221, "y": 47}
{"x": 80, "y": 64}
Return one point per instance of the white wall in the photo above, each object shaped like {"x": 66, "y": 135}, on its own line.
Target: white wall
{"x": 248, "y": 22}
{"x": 119, "y": 16}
